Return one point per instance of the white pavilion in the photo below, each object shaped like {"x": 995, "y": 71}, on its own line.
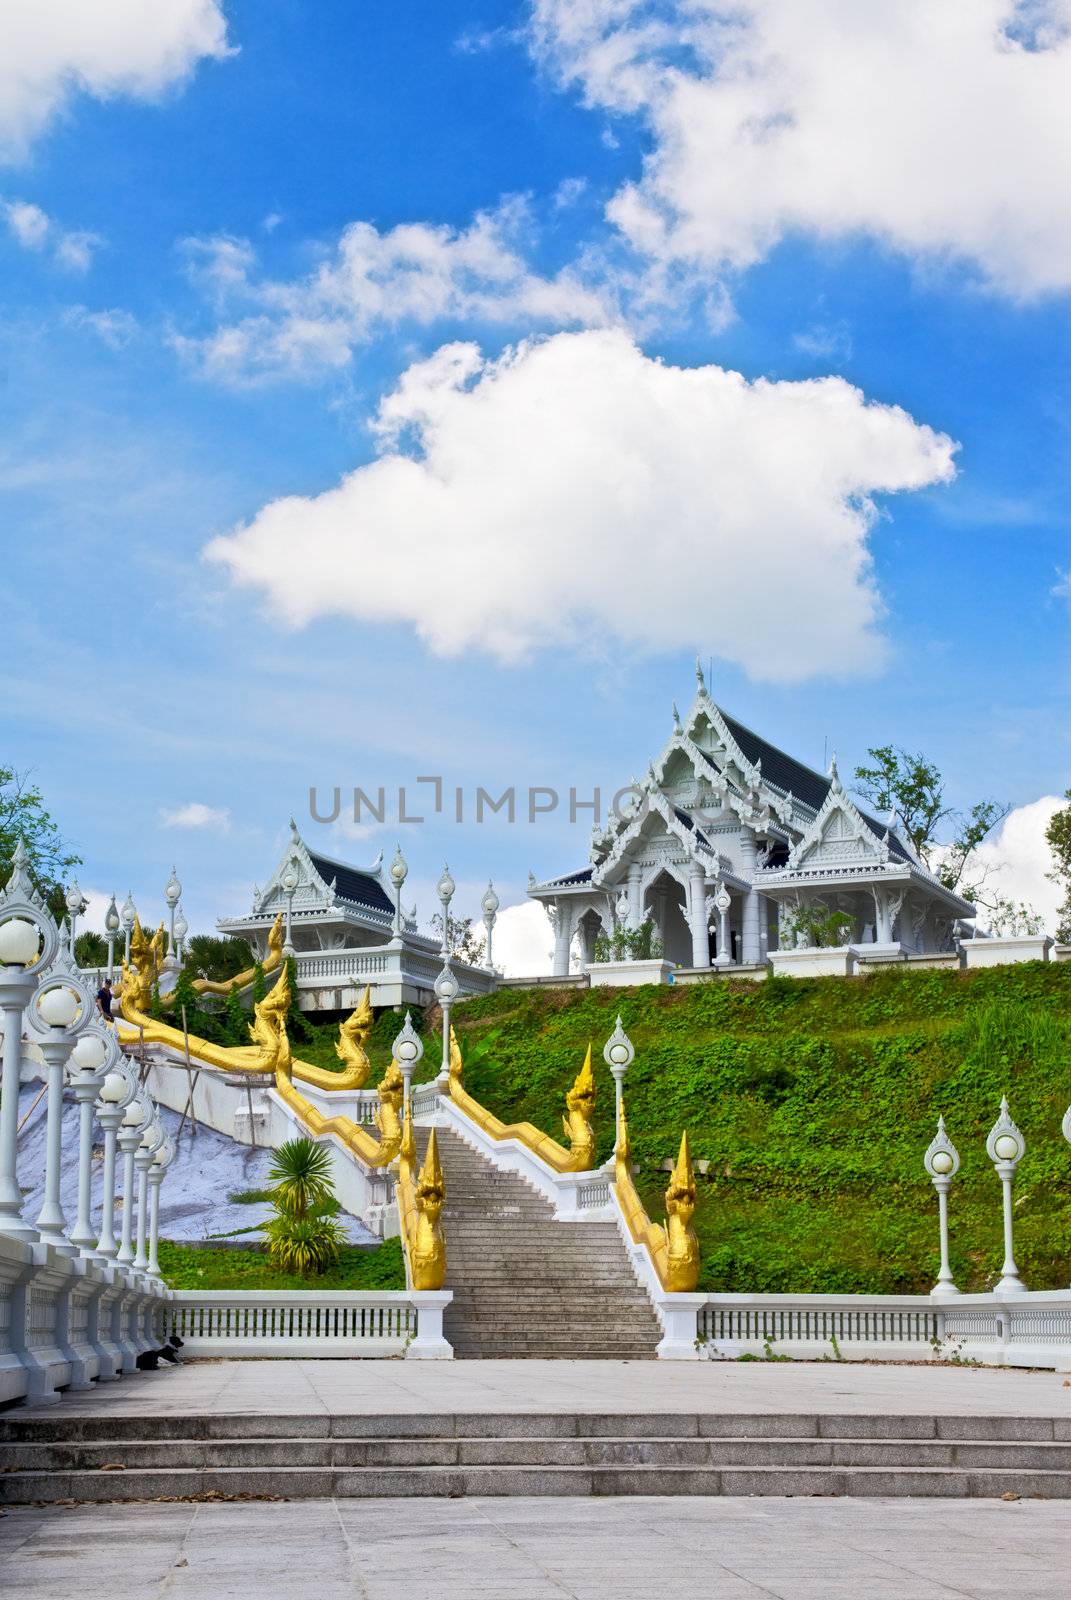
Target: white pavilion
{"x": 734, "y": 849}
{"x": 347, "y": 928}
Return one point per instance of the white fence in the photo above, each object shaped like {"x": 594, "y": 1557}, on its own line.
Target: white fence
{"x": 310, "y": 1323}
{"x": 65, "y": 1321}
{"x": 1022, "y": 1330}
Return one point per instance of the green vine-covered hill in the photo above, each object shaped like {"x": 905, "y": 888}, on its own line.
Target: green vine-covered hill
{"x": 809, "y": 1104}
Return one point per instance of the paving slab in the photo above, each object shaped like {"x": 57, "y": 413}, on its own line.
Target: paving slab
{"x": 540, "y": 1549}
{"x": 306, "y": 1390}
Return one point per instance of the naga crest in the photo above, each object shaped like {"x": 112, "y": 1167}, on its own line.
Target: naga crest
{"x": 457, "y": 1066}
{"x": 580, "y": 1100}
{"x": 682, "y": 1256}
{"x": 268, "y": 1028}
{"x": 428, "y": 1247}
{"x": 351, "y": 1040}
{"x": 387, "y": 1118}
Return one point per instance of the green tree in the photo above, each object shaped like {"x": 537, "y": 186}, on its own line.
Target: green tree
{"x": 23, "y": 815}
{"x": 1058, "y": 838}
{"x": 462, "y": 940}
{"x": 913, "y": 786}
{"x": 91, "y": 950}
{"x": 218, "y": 959}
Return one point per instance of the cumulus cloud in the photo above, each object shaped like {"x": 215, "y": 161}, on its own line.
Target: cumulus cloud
{"x": 51, "y": 52}
{"x": 575, "y": 491}
{"x": 1017, "y": 859}
{"x": 941, "y": 131}
{"x": 34, "y": 229}
{"x": 524, "y": 942}
{"x": 197, "y": 815}
{"x": 114, "y": 327}
{"x": 416, "y": 273}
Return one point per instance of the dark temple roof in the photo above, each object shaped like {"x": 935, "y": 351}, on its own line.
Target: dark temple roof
{"x": 583, "y": 876}
{"x": 792, "y": 776}
{"x": 359, "y": 888}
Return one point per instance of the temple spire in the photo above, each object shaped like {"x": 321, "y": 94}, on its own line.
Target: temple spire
{"x": 699, "y": 678}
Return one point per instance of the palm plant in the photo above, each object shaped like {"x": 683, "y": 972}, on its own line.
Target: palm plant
{"x": 300, "y": 1237}
{"x": 301, "y": 1174}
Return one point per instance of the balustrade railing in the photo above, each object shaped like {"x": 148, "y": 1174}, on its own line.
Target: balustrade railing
{"x": 305, "y": 1322}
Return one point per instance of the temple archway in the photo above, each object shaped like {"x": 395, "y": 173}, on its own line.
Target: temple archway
{"x": 665, "y": 905}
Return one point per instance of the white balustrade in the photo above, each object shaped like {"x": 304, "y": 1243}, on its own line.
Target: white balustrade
{"x": 309, "y": 1323}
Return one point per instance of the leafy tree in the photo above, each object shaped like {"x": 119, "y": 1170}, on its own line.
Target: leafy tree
{"x": 91, "y": 950}
{"x": 301, "y": 1174}
{"x": 237, "y": 1018}
{"x": 23, "y": 815}
{"x": 913, "y": 786}
{"x": 1058, "y": 838}
{"x": 218, "y": 959}
{"x": 462, "y": 940}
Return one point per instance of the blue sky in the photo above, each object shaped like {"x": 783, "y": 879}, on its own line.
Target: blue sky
{"x": 185, "y": 350}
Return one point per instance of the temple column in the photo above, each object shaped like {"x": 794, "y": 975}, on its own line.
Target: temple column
{"x": 563, "y": 926}
{"x": 697, "y": 917}
{"x": 750, "y": 947}
{"x": 635, "y": 894}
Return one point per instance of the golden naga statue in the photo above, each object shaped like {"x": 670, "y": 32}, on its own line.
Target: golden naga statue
{"x": 147, "y": 957}
{"x": 388, "y": 1117}
{"x": 242, "y": 980}
{"x": 577, "y": 1124}
{"x": 682, "y": 1246}
{"x": 674, "y": 1249}
{"x": 351, "y": 1039}
{"x": 456, "y": 1065}
{"x": 268, "y": 1028}
{"x": 580, "y": 1157}
{"x": 427, "y": 1249}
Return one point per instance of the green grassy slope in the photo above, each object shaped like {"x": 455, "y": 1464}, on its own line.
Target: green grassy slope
{"x": 812, "y": 1103}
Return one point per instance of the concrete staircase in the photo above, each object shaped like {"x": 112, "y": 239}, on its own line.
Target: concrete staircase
{"x": 208, "y": 1455}
{"x": 525, "y": 1285}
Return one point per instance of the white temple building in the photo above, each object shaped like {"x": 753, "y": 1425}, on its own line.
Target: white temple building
{"x": 735, "y": 850}
{"x": 347, "y": 928}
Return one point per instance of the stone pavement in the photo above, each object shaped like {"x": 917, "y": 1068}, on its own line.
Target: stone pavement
{"x": 308, "y": 1388}
{"x": 542, "y": 1549}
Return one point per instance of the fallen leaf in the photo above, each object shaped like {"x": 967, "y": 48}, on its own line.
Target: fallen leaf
{"x": 1007, "y": 1495}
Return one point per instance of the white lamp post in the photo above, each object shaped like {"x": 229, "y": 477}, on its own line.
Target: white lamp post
{"x": 111, "y": 929}
{"x": 96, "y": 1050}
{"x": 445, "y": 890}
{"x": 172, "y": 894}
{"x": 1005, "y": 1148}
{"x": 128, "y": 917}
{"x": 942, "y": 1163}
{"x": 28, "y": 940}
{"x": 619, "y": 1054}
{"x": 161, "y": 1160}
{"x": 182, "y": 928}
{"x": 407, "y": 1050}
{"x": 489, "y": 906}
{"x": 151, "y": 1139}
{"x": 290, "y": 882}
{"x": 62, "y": 1006}
{"x": 446, "y": 988}
{"x": 399, "y": 871}
{"x": 136, "y": 1118}
{"x": 116, "y": 1092}
{"x": 76, "y": 904}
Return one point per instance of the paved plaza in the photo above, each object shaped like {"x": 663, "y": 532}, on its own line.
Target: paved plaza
{"x": 547, "y": 1548}
{"x": 302, "y": 1389}
{"x": 540, "y": 1549}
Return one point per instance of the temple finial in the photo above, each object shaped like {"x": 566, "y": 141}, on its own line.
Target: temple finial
{"x": 676, "y": 718}
{"x": 834, "y": 775}
{"x": 699, "y": 678}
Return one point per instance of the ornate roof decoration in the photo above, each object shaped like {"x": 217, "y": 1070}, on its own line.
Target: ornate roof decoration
{"x": 323, "y": 883}
{"x": 839, "y": 834}
{"x": 675, "y": 822}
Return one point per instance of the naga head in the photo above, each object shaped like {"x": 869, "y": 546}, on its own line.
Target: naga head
{"x": 580, "y": 1099}
{"x": 392, "y": 1087}
{"x": 681, "y": 1194}
{"x": 431, "y": 1189}
{"x": 275, "y": 942}
{"x": 457, "y": 1066}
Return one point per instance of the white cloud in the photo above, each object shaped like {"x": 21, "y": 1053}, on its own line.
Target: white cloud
{"x": 415, "y": 273}
{"x": 34, "y": 229}
{"x": 51, "y": 51}
{"x": 197, "y": 815}
{"x": 575, "y": 492}
{"x": 114, "y": 327}
{"x": 1018, "y": 859}
{"x": 523, "y": 942}
{"x": 942, "y": 131}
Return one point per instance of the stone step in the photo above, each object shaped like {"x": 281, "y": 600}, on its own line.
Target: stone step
{"x": 247, "y": 1482}
{"x": 159, "y": 1454}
